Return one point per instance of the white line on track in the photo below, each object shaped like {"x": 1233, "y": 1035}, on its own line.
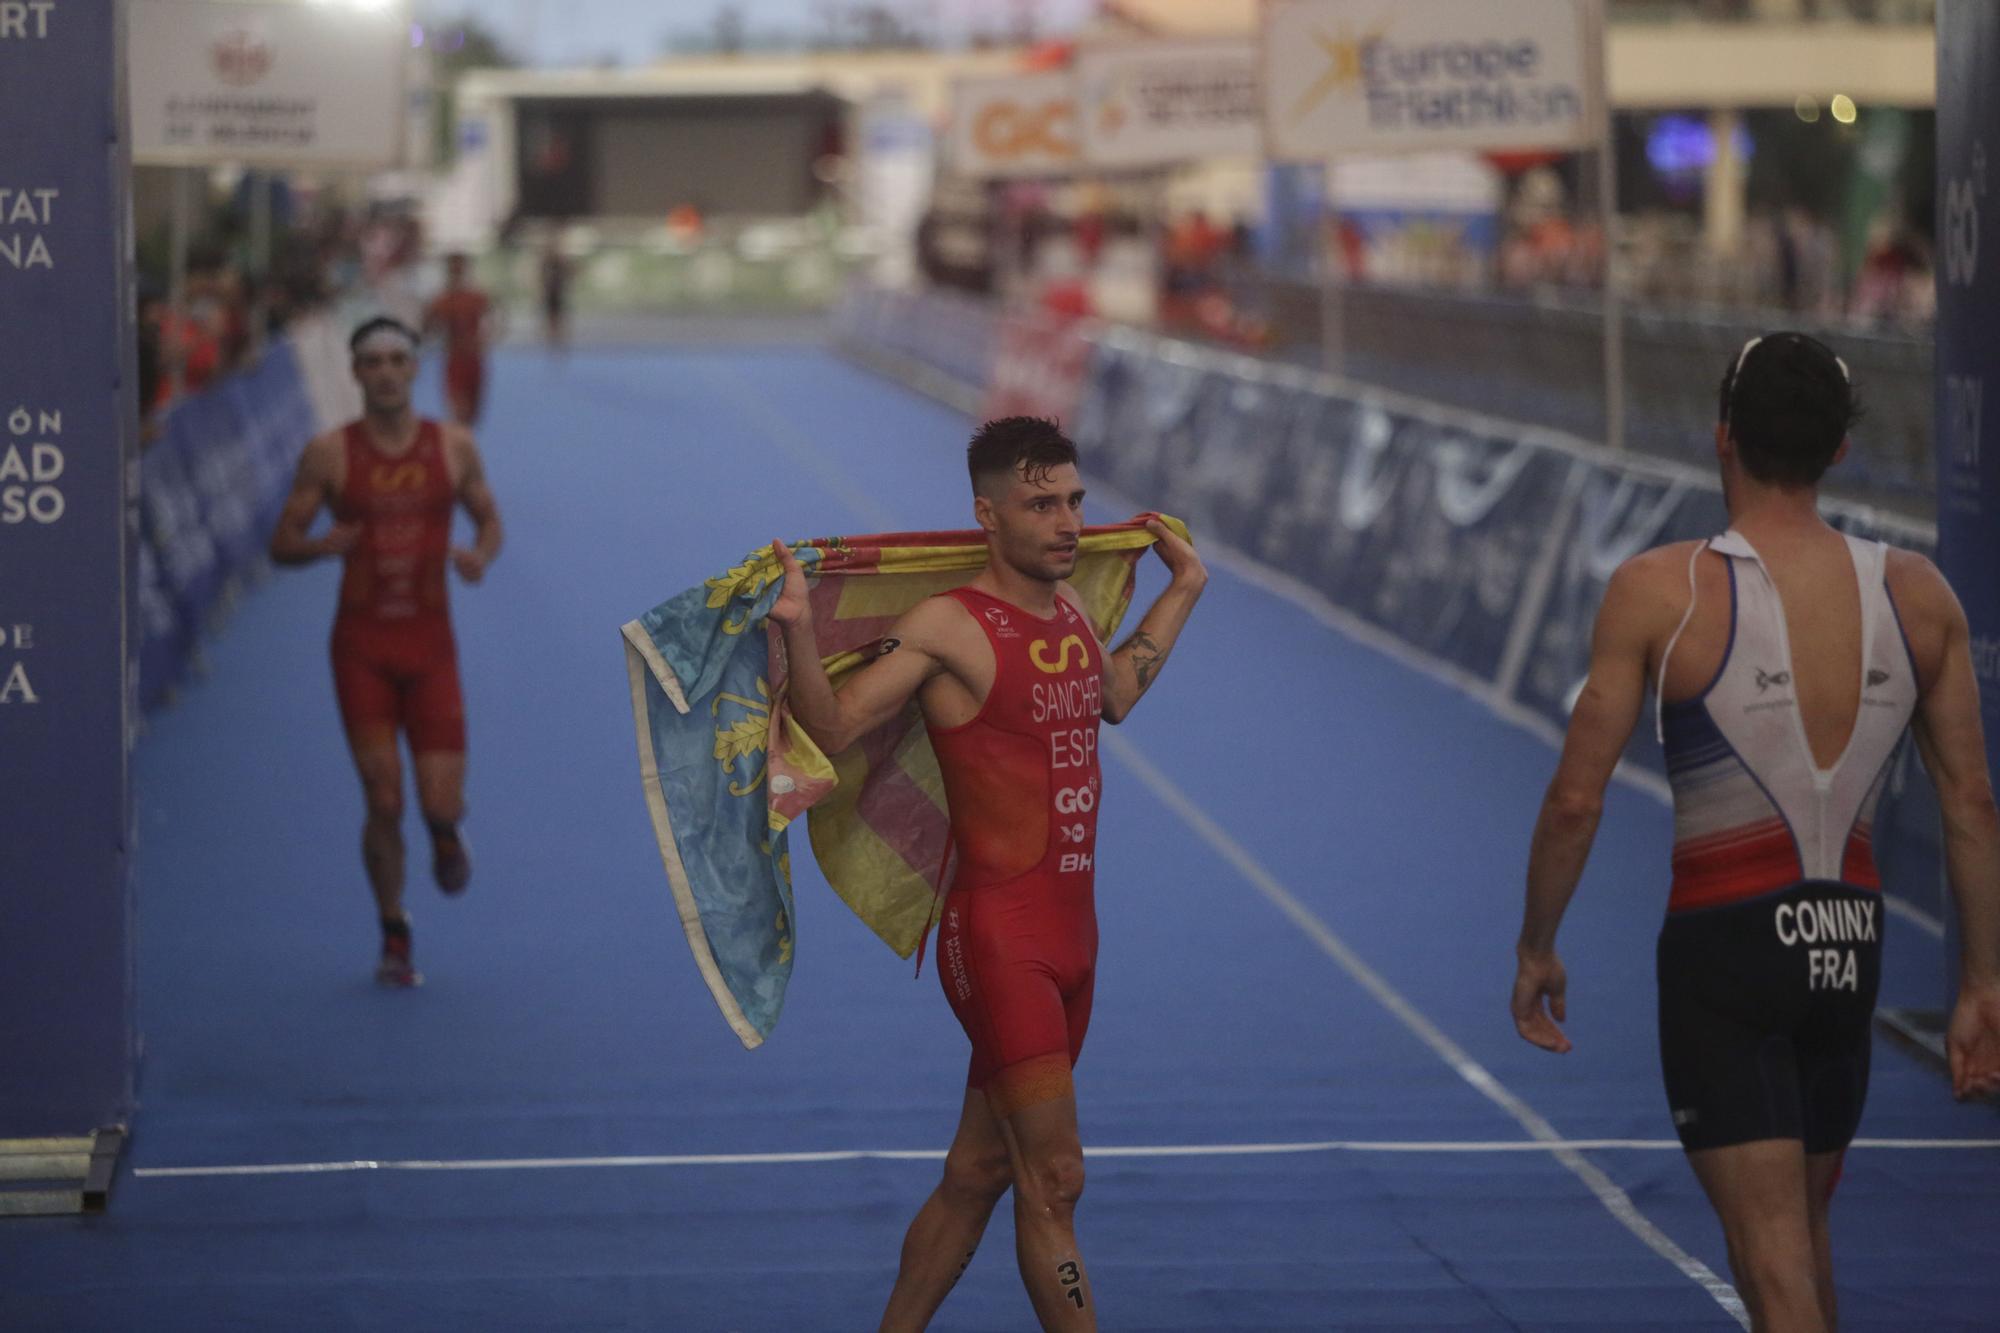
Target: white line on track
{"x": 1436, "y": 1146}
{"x": 1615, "y": 1200}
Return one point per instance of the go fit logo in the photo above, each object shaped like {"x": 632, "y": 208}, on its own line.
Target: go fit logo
{"x": 1007, "y": 130}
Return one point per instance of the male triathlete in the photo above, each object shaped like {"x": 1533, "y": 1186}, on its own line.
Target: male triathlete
{"x": 1788, "y": 660}
{"x": 1012, "y": 682}
{"x": 392, "y": 480}
{"x": 464, "y": 315}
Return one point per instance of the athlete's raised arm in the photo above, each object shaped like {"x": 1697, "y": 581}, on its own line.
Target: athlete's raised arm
{"x": 873, "y": 694}
{"x": 1131, "y": 669}
{"x": 1599, "y": 726}
{"x": 312, "y": 487}
{"x": 477, "y": 498}
{"x": 1954, "y": 752}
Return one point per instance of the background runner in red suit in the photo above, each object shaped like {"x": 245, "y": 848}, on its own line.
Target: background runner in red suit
{"x": 1011, "y": 681}
{"x": 465, "y": 317}
{"x": 392, "y": 481}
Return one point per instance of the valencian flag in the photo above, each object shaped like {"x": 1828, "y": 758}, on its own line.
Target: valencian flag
{"x": 726, "y": 769}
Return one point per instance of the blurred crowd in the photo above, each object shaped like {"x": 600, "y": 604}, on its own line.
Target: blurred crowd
{"x": 320, "y": 251}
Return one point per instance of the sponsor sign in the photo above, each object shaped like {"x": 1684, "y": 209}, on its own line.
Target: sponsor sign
{"x": 1157, "y": 102}
{"x": 1018, "y": 125}
{"x": 1348, "y": 76}
{"x": 67, "y": 457}
{"x": 276, "y": 84}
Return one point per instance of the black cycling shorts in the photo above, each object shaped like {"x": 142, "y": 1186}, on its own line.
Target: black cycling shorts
{"x": 1765, "y": 1014}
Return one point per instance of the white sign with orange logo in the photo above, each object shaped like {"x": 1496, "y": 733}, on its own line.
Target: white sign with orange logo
{"x": 1343, "y": 76}
{"x": 1018, "y": 125}
{"x": 266, "y": 84}
{"x": 1148, "y": 103}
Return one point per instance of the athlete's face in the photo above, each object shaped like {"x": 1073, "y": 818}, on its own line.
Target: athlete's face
{"x": 1036, "y": 524}
{"x": 385, "y": 375}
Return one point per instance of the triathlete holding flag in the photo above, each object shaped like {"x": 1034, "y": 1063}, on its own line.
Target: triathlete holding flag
{"x": 1011, "y": 681}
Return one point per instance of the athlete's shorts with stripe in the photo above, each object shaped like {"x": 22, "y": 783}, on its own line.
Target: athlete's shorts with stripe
{"x": 1765, "y": 1014}
{"x": 1018, "y": 962}
{"x": 400, "y": 675}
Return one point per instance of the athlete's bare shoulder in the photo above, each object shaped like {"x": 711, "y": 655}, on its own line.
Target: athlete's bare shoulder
{"x": 1651, "y": 588}
{"x": 323, "y": 461}
{"x": 1931, "y": 616}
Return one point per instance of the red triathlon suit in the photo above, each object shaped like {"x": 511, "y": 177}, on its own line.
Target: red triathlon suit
{"x": 395, "y": 663}
{"x": 1017, "y": 948}
{"x": 462, "y": 315}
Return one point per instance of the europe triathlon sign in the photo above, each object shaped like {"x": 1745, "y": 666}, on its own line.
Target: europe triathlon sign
{"x": 1348, "y": 76}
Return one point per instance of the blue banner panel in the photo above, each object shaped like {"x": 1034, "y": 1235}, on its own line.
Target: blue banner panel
{"x": 1968, "y": 344}
{"x": 66, "y": 440}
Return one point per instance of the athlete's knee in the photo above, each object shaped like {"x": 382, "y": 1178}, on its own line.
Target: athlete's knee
{"x": 1055, "y": 1178}
{"x": 446, "y": 807}
{"x": 385, "y": 802}
{"x": 978, "y": 1177}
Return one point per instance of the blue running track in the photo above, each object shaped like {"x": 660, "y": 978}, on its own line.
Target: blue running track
{"x": 1300, "y": 835}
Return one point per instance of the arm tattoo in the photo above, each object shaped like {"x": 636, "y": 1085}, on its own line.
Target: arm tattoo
{"x": 1146, "y": 656}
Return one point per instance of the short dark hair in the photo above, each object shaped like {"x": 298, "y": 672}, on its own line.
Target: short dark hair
{"x": 368, "y": 326}
{"x": 1788, "y": 402}
{"x": 1033, "y": 446}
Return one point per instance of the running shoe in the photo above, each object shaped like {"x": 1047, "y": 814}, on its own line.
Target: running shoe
{"x": 396, "y": 969}
{"x": 451, "y": 861}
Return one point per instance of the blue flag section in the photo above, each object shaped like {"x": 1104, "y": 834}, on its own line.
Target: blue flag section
{"x": 67, "y": 546}
{"x": 1968, "y": 346}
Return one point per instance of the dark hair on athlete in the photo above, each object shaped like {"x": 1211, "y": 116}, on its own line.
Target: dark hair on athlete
{"x": 1787, "y": 401}
{"x": 368, "y": 326}
{"x": 1006, "y": 445}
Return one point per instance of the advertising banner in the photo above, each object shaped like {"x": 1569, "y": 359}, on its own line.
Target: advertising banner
{"x": 267, "y": 84}
{"x": 1361, "y": 76}
{"x": 1968, "y": 346}
{"x": 1018, "y": 125}
{"x": 67, "y": 425}
{"x": 1151, "y": 103}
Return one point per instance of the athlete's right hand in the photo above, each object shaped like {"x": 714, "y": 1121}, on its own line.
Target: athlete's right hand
{"x": 1540, "y": 975}
{"x": 793, "y": 606}
{"x": 1972, "y": 1042}
{"x": 340, "y": 539}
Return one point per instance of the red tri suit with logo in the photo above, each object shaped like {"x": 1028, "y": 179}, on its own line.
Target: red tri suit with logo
{"x": 395, "y": 663}
{"x": 1017, "y": 947}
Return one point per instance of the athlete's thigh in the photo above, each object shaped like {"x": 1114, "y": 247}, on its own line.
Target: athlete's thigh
{"x": 1076, "y": 1008}
{"x": 1042, "y": 1132}
{"x": 378, "y": 762}
{"x": 440, "y": 777}
{"x": 432, "y": 705}
{"x": 1759, "y": 1191}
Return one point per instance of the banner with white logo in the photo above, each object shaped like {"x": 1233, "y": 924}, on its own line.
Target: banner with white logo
{"x": 1348, "y": 76}
{"x": 1016, "y": 125}
{"x": 1144, "y": 104}
{"x": 67, "y": 458}
{"x": 267, "y": 84}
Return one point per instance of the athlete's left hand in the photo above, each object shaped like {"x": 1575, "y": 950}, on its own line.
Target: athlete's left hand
{"x": 1181, "y": 559}
{"x": 471, "y": 565}
{"x": 1972, "y": 1042}
{"x": 1541, "y": 975}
